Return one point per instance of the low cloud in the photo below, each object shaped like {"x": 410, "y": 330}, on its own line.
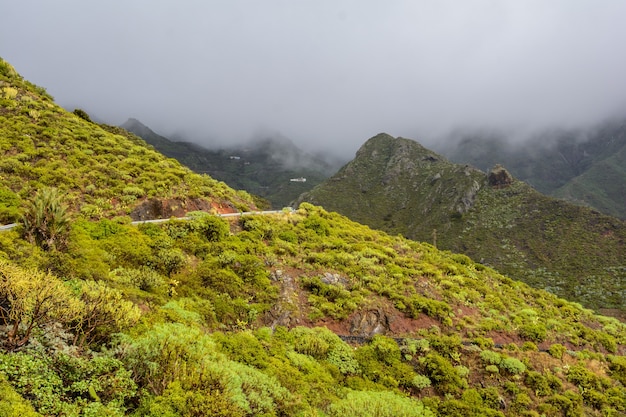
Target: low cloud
{"x": 328, "y": 74}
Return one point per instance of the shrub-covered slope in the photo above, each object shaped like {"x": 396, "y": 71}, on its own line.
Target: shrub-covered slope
{"x": 263, "y": 167}
{"x": 398, "y": 186}
{"x": 302, "y": 313}
{"x": 100, "y": 169}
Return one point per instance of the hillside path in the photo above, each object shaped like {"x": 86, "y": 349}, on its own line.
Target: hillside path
{"x": 6, "y": 227}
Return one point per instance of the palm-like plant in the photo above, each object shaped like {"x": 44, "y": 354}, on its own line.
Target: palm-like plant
{"x": 46, "y": 221}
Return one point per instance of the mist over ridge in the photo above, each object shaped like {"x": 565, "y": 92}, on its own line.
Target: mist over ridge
{"x": 327, "y": 75}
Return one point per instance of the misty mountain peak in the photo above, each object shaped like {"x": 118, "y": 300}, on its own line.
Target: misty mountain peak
{"x": 386, "y": 145}
{"x": 138, "y": 128}
{"x": 397, "y": 180}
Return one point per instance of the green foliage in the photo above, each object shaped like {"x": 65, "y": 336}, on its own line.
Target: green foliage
{"x": 377, "y": 404}
{"x": 46, "y": 220}
{"x": 114, "y": 335}
{"x": 617, "y": 365}
{"x": 12, "y": 404}
{"x": 166, "y": 353}
{"x": 322, "y": 344}
{"x": 442, "y": 373}
{"x": 557, "y": 350}
{"x": 447, "y": 346}
{"x": 533, "y": 332}
{"x": 82, "y": 114}
{"x": 213, "y": 228}
{"x": 381, "y": 362}
{"x": 208, "y": 397}
{"x": 143, "y": 278}
{"x": 34, "y": 375}
{"x": 492, "y": 369}
{"x": 9, "y": 206}
{"x": 317, "y": 224}
{"x": 69, "y": 385}
{"x": 513, "y": 366}
{"x": 30, "y": 300}
{"x": 169, "y": 260}
{"x": 105, "y": 312}
{"x": 585, "y": 379}
{"x": 490, "y": 358}
{"x": 421, "y": 382}
{"x": 330, "y": 299}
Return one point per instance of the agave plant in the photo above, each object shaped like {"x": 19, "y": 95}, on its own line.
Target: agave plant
{"x": 46, "y": 220}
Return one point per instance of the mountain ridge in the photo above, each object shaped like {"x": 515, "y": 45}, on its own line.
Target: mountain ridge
{"x": 397, "y": 185}
{"x": 263, "y": 167}
{"x": 584, "y": 166}
{"x": 100, "y": 169}
{"x": 242, "y": 317}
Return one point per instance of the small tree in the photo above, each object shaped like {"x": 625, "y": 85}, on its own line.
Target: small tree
{"x": 46, "y": 221}
{"x": 105, "y": 312}
{"x": 31, "y": 299}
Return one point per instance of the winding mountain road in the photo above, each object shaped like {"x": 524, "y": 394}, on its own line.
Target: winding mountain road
{"x": 6, "y": 227}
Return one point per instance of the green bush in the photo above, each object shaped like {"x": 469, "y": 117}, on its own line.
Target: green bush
{"x": 447, "y": 345}
{"x": 377, "y": 404}
{"x": 143, "y": 278}
{"x": 513, "y": 366}
{"x": 213, "y": 228}
{"x": 12, "y": 404}
{"x": 491, "y": 358}
{"x": 617, "y": 366}
{"x": 557, "y": 351}
{"x": 538, "y": 383}
{"x": 533, "y": 332}
{"x": 9, "y": 206}
{"x": 421, "y": 382}
{"x": 442, "y": 373}
{"x": 492, "y": 369}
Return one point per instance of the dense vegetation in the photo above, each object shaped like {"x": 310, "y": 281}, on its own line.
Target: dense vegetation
{"x": 298, "y": 313}
{"x": 263, "y": 167}
{"x": 207, "y": 315}
{"x": 100, "y": 172}
{"x": 398, "y": 186}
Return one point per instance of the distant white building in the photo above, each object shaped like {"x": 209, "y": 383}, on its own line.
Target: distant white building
{"x": 301, "y": 179}
{"x": 235, "y": 157}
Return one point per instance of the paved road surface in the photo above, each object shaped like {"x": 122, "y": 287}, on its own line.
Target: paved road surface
{"x": 245, "y": 213}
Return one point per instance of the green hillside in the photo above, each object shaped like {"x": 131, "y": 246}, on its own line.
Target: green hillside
{"x": 611, "y": 196}
{"x": 101, "y": 170}
{"x": 584, "y": 166}
{"x": 264, "y": 167}
{"x": 398, "y": 186}
{"x": 297, "y": 313}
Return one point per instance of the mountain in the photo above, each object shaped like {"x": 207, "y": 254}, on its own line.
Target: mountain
{"x": 397, "y": 185}
{"x": 101, "y": 170}
{"x": 584, "y": 166}
{"x": 295, "y": 313}
{"x": 273, "y": 167}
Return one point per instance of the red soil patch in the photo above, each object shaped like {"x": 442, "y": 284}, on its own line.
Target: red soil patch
{"x": 157, "y": 208}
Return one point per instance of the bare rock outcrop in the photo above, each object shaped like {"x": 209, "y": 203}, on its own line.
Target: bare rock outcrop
{"x": 499, "y": 177}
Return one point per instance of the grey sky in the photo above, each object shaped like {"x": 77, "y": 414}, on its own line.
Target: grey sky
{"x": 327, "y": 74}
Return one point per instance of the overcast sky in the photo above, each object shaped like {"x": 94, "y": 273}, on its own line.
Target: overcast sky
{"x": 325, "y": 73}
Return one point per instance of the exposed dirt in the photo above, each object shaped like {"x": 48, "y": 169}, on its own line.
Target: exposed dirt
{"x": 157, "y": 208}
{"x": 381, "y": 319}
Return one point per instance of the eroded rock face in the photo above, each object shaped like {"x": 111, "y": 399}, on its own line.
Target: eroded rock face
{"x": 157, "y": 208}
{"x": 499, "y": 177}
{"x": 369, "y": 323}
{"x": 467, "y": 200}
